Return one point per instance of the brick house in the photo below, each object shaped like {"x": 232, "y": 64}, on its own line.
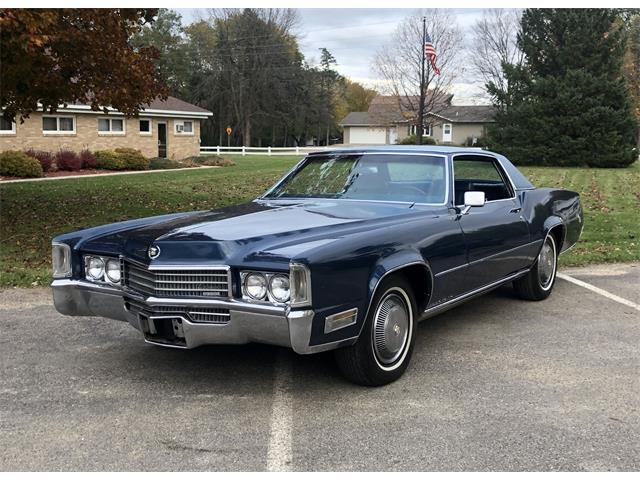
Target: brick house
{"x": 166, "y": 128}
{"x": 389, "y": 120}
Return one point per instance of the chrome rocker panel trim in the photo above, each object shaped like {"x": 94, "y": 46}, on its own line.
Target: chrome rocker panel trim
{"x": 270, "y": 324}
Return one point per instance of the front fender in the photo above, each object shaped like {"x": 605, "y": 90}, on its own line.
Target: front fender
{"x": 393, "y": 263}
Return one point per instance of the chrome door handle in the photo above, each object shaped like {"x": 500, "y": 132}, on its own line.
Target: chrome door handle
{"x": 515, "y": 210}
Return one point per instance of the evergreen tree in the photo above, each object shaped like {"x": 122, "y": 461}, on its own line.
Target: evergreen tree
{"x": 568, "y": 103}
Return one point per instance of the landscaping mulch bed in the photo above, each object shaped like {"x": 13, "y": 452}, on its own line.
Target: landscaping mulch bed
{"x": 66, "y": 173}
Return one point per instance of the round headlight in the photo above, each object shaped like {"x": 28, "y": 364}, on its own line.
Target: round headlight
{"x": 95, "y": 268}
{"x": 113, "y": 270}
{"x": 255, "y": 285}
{"x": 279, "y": 287}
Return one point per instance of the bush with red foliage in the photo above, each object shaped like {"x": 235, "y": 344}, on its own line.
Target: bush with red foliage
{"x": 88, "y": 159}
{"x": 68, "y": 160}
{"x": 45, "y": 158}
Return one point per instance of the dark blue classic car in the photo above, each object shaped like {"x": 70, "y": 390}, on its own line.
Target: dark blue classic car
{"x": 348, "y": 251}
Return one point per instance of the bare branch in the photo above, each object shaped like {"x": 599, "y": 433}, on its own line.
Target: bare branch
{"x": 495, "y": 43}
{"x": 398, "y": 63}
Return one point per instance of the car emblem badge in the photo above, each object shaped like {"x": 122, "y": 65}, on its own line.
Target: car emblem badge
{"x": 154, "y": 251}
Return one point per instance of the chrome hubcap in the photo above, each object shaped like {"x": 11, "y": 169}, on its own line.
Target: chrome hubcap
{"x": 390, "y": 329}
{"x": 546, "y": 264}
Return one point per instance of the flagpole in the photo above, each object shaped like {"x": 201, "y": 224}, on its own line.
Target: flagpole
{"x": 420, "y": 128}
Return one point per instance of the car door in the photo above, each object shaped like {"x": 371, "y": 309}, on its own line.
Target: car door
{"x": 496, "y": 234}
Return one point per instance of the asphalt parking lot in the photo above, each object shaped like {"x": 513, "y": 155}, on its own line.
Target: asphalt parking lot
{"x": 496, "y": 384}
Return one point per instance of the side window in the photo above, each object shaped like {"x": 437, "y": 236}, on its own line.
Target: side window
{"x": 415, "y": 171}
{"x": 479, "y": 175}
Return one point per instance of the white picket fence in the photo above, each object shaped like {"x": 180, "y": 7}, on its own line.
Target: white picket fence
{"x": 258, "y": 150}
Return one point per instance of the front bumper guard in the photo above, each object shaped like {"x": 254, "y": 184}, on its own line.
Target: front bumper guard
{"x": 270, "y": 324}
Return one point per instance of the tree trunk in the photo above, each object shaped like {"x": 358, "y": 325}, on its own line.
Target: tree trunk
{"x": 246, "y": 131}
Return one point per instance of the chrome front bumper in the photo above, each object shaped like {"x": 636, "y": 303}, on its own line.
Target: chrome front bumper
{"x": 247, "y": 323}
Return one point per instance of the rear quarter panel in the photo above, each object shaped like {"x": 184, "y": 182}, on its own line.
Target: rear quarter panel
{"x": 545, "y": 208}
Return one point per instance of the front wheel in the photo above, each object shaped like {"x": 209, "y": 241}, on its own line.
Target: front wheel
{"x": 538, "y": 283}
{"x": 383, "y": 350}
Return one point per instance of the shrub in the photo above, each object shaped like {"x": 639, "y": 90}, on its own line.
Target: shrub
{"x": 45, "y": 158}
{"x": 412, "y": 139}
{"x": 219, "y": 162}
{"x": 18, "y": 164}
{"x": 165, "y": 164}
{"x": 109, "y": 160}
{"x": 68, "y": 160}
{"x": 88, "y": 159}
{"x": 481, "y": 142}
{"x": 210, "y": 160}
{"x": 133, "y": 159}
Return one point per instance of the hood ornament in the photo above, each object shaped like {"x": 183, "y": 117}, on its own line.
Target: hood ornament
{"x": 154, "y": 251}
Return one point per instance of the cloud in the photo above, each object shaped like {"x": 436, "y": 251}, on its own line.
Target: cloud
{"x": 353, "y": 35}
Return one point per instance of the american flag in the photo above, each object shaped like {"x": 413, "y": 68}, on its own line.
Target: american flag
{"x": 430, "y": 53}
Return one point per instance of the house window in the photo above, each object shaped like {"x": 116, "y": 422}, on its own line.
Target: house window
{"x": 58, "y": 124}
{"x": 113, "y": 126}
{"x": 7, "y": 127}
{"x": 426, "y": 130}
{"x": 145, "y": 126}
{"x": 184, "y": 127}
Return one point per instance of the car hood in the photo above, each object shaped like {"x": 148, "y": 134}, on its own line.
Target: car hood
{"x": 255, "y": 232}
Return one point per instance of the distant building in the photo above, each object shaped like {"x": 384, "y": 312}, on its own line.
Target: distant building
{"x": 386, "y": 123}
{"x": 166, "y": 128}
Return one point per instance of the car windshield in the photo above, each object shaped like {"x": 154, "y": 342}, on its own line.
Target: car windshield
{"x": 402, "y": 178}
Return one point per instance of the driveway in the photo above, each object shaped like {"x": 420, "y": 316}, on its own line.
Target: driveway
{"x": 496, "y": 384}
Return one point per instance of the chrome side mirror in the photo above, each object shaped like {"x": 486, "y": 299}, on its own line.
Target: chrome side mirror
{"x": 472, "y": 199}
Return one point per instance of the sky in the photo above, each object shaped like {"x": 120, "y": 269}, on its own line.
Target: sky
{"x": 353, "y": 36}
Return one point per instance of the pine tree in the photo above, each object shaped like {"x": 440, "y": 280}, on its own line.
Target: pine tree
{"x": 568, "y": 103}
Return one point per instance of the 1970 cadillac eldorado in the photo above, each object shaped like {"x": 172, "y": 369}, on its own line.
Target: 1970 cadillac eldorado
{"x": 348, "y": 251}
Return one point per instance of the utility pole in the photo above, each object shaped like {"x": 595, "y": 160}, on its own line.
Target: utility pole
{"x": 420, "y": 125}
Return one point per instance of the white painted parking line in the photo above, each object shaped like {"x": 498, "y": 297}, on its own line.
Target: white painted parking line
{"x": 279, "y": 455}
{"x": 599, "y": 291}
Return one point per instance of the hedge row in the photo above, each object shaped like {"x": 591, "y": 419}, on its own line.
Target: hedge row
{"x": 32, "y": 163}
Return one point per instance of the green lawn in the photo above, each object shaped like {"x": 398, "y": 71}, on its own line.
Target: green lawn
{"x": 32, "y": 213}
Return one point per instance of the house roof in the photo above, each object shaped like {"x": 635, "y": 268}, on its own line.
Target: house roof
{"x": 467, "y": 114}
{"x": 385, "y": 109}
{"x": 171, "y": 107}
{"x": 392, "y": 109}
{"x": 176, "y": 105}
{"x": 355, "y": 119}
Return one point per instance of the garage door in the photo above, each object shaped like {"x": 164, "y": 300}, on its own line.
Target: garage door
{"x": 368, "y": 135}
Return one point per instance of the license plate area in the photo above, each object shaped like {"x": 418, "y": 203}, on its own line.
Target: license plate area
{"x": 164, "y": 330}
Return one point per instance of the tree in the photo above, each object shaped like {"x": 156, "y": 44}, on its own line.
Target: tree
{"x": 399, "y": 62}
{"x": 62, "y": 56}
{"x": 495, "y": 44}
{"x": 329, "y": 80}
{"x": 254, "y": 57}
{"x": 353, "y": 97}
{"x": 568, "y": 103}
{"x": 245, "y": 66}
{"x": 631, "y": 65}
{"x": 167, "y": 36}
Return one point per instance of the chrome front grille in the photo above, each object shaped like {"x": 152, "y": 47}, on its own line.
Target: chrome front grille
{"x": 213, "y": 282}
{"x": 194, "y": 314}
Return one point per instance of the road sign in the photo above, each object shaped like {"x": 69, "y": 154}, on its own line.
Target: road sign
{"x": 229, "y": 130}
